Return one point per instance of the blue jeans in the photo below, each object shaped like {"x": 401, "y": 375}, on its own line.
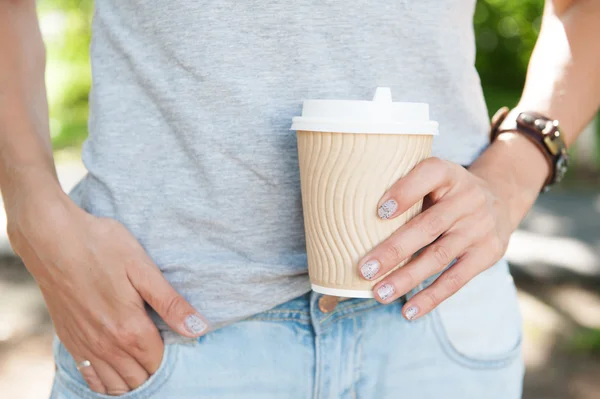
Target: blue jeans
{"x": 469, "y": 347}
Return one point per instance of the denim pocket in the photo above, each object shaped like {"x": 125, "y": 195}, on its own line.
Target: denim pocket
{"x": 480, "y": 326}
{"x": 69, "y": 378}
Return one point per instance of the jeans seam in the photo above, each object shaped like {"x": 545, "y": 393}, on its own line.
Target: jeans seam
{"x": 300, "y": 312}
{"x": 349, "y": 314}
{"x": 317, "y": 367}
{"x": 347, "y": 311}
{"x": 359, "y": 343}
{"x": 303, "y": 321}
{"x": 357, "y": 359}
{"x": 462, "y": 359}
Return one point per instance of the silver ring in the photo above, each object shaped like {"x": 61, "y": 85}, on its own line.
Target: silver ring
{"x": 83, "y": 363}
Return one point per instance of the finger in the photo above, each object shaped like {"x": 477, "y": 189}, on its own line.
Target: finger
{"x": 411, "y": 237}
{"x": 144, "y": 344}
{"x": 172, "y": 307}
{"x": 431, "y": 261}
{"x": 129, "y": 369}
{"x": 89, "y": 375}
{"x": 453, "y": 279}
{"x": 426, "y": 177}
{"x": 114, "y": 384}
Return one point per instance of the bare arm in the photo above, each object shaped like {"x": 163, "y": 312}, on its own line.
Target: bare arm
{"x": 563, "y": 79}
{"x": 25, "y": 149}
{"x": 93, "y": 274}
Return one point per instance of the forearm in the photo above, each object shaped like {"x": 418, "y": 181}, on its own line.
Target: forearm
{"x": 563, "y": 79}
{"x": 562, "y": 83}
{"x": 26, "y": 161}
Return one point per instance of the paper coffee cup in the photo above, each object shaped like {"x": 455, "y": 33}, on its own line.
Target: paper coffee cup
{"x": 350, "y": 153}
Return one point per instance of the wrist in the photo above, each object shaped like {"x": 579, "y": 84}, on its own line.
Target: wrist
{"x": 516, "y": 170}
{"x": 28, "y": 182}
{"x": 33, "y": 198}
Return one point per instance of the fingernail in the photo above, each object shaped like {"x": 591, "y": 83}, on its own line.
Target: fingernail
{"x": 387, "y": 209}
{"x": 385, "y": 291}
{"x": 369, "y": 269}
{"x": 411, "y": 312}
{"x": 194, "y": 324}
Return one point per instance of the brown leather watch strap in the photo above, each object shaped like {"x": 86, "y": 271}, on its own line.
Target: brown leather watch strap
{"x": 540, "y": 130}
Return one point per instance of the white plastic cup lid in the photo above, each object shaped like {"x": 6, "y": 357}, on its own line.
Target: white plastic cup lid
{"x": 380, "y": 116}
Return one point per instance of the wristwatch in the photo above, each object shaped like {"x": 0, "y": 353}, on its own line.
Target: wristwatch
{"x": 544, "y": 132}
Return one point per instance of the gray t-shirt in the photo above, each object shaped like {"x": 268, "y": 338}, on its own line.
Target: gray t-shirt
{"x": 191, "y": 106}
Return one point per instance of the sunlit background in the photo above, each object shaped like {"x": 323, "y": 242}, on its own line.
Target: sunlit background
{"x": 555, "y": 255}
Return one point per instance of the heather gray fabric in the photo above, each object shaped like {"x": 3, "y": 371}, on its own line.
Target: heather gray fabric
{"x": 191, "y": 104}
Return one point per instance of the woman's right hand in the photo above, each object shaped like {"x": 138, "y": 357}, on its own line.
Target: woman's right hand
{"x": 95, "y": 278}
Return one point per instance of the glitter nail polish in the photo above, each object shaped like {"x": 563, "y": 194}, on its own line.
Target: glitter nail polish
{"x": 194, "y": 324}
{"x": 369, "y": 269}
{"x": 411, "y": 312}
{"x": 387, "y": 209}
{"x": 385, "y": 291}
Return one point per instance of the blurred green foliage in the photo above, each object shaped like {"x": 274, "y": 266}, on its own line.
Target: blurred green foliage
{"x": 506, "y": 32}
{"x": 66, "y": 26}
{"x": 586, "y": 340}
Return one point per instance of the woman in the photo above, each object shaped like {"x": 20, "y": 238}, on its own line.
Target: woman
{"x": 192, "y": 205}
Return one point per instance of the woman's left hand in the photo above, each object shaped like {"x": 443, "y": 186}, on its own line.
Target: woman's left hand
{"x": 463, "y": 219}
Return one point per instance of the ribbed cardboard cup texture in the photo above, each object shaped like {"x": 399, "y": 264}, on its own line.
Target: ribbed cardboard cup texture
{"x": 350, "y": 154}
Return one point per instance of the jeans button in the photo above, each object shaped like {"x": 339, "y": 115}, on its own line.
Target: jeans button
{"x": 327, "y": 303}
